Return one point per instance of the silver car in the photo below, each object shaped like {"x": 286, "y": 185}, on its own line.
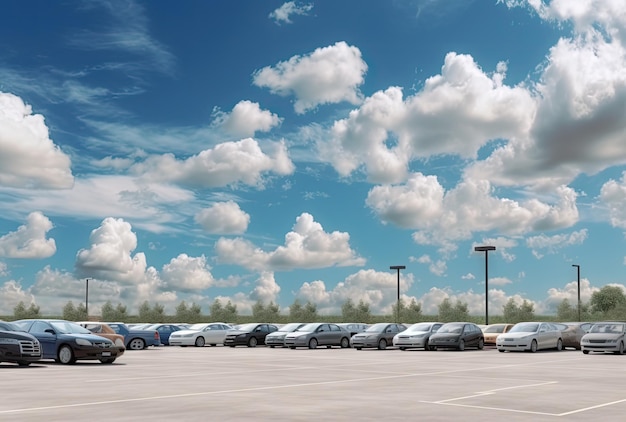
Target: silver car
{"x": 318, "y": 334}
{"x": 530, "y": 336}
{"x": 604, "y": 337}
{"x": 277, "y": 338}
{"x": 416, "y": 336}
{"x": 378, "y": 335}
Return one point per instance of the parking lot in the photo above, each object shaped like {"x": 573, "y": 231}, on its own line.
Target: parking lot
{"x": 221, "y": 383}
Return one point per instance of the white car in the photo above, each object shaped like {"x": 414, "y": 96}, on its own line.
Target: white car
{"x": 530, "y": 336}
{"x": 416, "y": 336}
{"x": 198, "y": 335}
{"x": 604, "y": 337}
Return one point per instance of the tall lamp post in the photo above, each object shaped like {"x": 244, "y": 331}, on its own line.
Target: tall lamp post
{"x": 398, "y": 268}
{"x": 87, "y": 297}
{"x": 578, "y": 273}
{"x": 486, "y": 250}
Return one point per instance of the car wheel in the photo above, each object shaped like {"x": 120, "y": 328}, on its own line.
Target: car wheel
{"x": 107, "y": 361}
{"x": 533, "y": 346}
{"x": 432, "y": 348}
{"x": 501, "y": 350}
{"x": 313, "y": 343}
{"x": 461, "y": 345}
{"x": 66, "y": 355}
{"x": 358, "y": 348}
{"x": 402, "y": 348}
{"x": 559, "y": 345}
{"x": 585, "y": 352}
{"x": 252, "y": 342}
{"x": 200, "y": 342}
{"x": 481, "y": 344}
{"x": 620, "y": 351}
{"x": 213, "y": 344}
{"x": 23, "y": 363}
{"x": 345, "y": 343}
{"x": 271, "y": 346}
{"x": 292, "y": 347}
{"x": 382, "y": 344}
{"x": 136, "y": 344}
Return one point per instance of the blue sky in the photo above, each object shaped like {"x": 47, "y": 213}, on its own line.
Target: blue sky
{"x": 275, "y": 150}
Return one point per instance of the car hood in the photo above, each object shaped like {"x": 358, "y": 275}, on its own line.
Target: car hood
{"x": 439, "y": 336}
{"x": 299, "y": 333}
{"x": 601, "y": 336}
{"x": 184, "y": 332}
{"x": 90, "y": 337}
{"x": 412, "y": 333}
{"x": 18, "y": 335}
{"x": 516, "y": 335}
{"x": 237, "y": 332}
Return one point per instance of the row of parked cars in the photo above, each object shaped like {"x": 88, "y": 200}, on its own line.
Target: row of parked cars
{"x": 29, "y": 340}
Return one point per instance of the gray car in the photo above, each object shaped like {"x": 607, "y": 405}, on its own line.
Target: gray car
{"x": 417, "y": 336}
{"x": 277, "y": 338}
{"x": 378, "y": 335}
{"x": 318, "y": 334}
{"x": 604, "y": 337}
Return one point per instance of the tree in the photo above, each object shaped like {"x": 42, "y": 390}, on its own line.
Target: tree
{"x": 607, "y": 298}
{"x": 299, "y": 313}
{"x": 221, "y": 313}
{"x": 156, "y": 313}
{"x": 348, "y": 311}
{"x": 22, "y": 312}
{"x": 269, "y": 313}
{"x": 412, "y": 313}
{"x": 566, "y": 312}
{"x": 72, "y": 313}
{"x": 108, "y": 312}
{"x": 363, "y": 313}
{"x": 185, "y": 313}
{"x": 449, "y": 313}
{"x": 514, "y": 313}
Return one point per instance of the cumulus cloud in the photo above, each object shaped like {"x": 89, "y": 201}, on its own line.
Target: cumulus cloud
{"x": 502, "y": 244}
{"x": 266, "y": 290}
{"x": 246, "y": 119}
{"x": 12, "y": 293}
{"x": 455, "y": 113}
{"x": 552, "y": 244}
{"x": 28, "y": 157}
{"x": 229, "y": 163}
{"x": 438, "y": 267}
{"x": 569, "y": 292}
{"x": 223, "y": 218}
{"x": 423, "y": 204}
{"x": 29, "y": 241}
{"x": 306, "y": 246}
{"x": 327, "y": 75}
{"x": 187, "y": 273}
{"x": 613, "y": 196}
{"x": 283, "y": 13}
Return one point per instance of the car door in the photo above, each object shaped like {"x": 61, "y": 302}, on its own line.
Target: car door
{"x": 544, "y": 336}
{"x": 337, "y": 333}
{"x": 47, "y": 337}
{"x": 323, "y": 334}
{"x": 471, "y": 335}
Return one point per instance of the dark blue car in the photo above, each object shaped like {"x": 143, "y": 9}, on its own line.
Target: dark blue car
{"x": 66, "y": 342}
{"x": 136, "y": 339}
{"x": 165, "y": 330}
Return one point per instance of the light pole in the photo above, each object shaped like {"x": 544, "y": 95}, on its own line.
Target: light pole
{"x": 87, "y": 298}
{"x": 486, "y": 250}
{"x": 398, "y": 267}
{"x": 578, "y": 273}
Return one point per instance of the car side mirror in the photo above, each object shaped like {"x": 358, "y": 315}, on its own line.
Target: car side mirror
{"x": 49, "y": 331}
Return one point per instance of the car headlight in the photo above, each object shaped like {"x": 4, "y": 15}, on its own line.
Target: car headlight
{"x": 187, "y": 335}
{"x": 119, "y": 343}
{"x": 9, "y": 341}
{"x": 241, "y": 335}
{"x": 612, "y": 340}
{"x": 418, "y": 336}
{"x": 83, "y": 342}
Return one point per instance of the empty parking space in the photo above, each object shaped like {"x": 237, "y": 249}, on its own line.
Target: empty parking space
{"x": 338, "y": 384}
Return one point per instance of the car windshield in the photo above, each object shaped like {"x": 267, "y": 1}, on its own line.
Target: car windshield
{"x": 525, "y": 327}
{"x": 308, "y": 328}
{"x": 377, "y": 328}
{"x": 67, "y": 327}
{"x": 607, "y": 328}
{"x": 289, "y": 327}
{"x": 451, "y": 328}
{"x": 7, "y": 326}
{"x": 494, "y": 329}
{"x": 422, "y": 326}
{"x": 197, "y": 327}
{"x": 246, "y": 327}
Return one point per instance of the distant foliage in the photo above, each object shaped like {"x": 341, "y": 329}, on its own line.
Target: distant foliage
{"x": 74, "y": 313}
{"x": 22, "y": 312}
{"x": 188, "y": 314}
{"x": 408, "y": 314}
{"x": 449, "y": 313}
{"x": 155, "y": 314}
{"x": 358, "y": 313}
{"x": 263, "y": 313}
{"x": 514, "y": 313}
{"x": 607, "y": 299}
{"x": 111, "y": 313}
{"x": 299, "y": 313}
{"x": 221, "y": 313}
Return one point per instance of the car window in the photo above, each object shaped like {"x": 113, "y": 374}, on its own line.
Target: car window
{"x": 334, "y": 327}
{"x": 322, "y": 328}
{"x": 39, "y": 327}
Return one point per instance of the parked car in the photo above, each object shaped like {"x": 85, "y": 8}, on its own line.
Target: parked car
{"x": 103, "y": 330}
{"x": 318, "y": 334}
{"x": 353, "y": 327}
{"x": 249, "y": 335}
{"x": 530, "y": 336}
{"x": 457, "y": 335}
{"x": 277, "y": 338}
{"x": 573, "y": 332}
{"x": 416, "y": 336}
{"x": 66, "y": 342}
{"x": 492, "y": 331}
{"x": 16, "y": 346}
{"x": 378, "y": 335}
{"x": 165, "y": 331}
{"x": 135, "y": 339}
{"x": 199, "y": 335}
{"x": 604, "y": 337}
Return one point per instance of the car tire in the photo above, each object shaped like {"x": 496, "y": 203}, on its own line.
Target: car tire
{"x": 107, "y": 361}
{"x": 402, "y": 348}
{"x": 253, "y": 342}
{"x": 432, "y": 348}
{"x": 292, "y": 347}
{"x": 271, "y": 346}
{"x": 481, "y": 344}
{"x": 533, "y": 346}
{"x": 501, "y": 350}
{"x": 559, "y": 345}
{"x": 620, "y": 351}
{"x": 65, "y": 355}
{"x": 136, "y": 344}
{"x": 382, "y": 344}
{"x": 313, "y": 343}
{"x": 345, "y": 343}
{"x": 461, "y": 345}
{"x": 358, "y": 348}
{"x": 200, "y": 342}
{"x": 22, "y": 363}
{"x": 585, "y": 352}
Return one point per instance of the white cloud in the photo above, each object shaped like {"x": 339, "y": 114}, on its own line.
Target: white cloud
{"x": 283, "y": 13}
{"x": 12, "y": 293}
{"x": 438, "y": 267}
{"x": 613, "y": 195}
{"x": 246, "y": 119}
{"x": 28, "y": 157}
{"x": 328, "y": 75}
{"x": 223, "y": 218}
{"x": 29, "y": 241}
{"x": 468, "y": 276}
{"x": 423, "y": 204}
{"x": 229, "y": 163}
{"x": 554, "y": 243}
{"x": 266, "y": 290}
{"x": 499, "y": 281}
{"x": 502, "y": 244}
{"x": 569, "y": 292}
{"x": 187, "y": 273}
{"x": 306, "y": 246}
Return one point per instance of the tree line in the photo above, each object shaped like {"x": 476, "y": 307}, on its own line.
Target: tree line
{"x": 607, "y": 303}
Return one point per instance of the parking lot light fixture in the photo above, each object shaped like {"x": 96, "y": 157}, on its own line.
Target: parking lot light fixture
{"x": 578, "y": 278}
{"x": 398, "y": 268}
{"x": 486, "y": 250}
